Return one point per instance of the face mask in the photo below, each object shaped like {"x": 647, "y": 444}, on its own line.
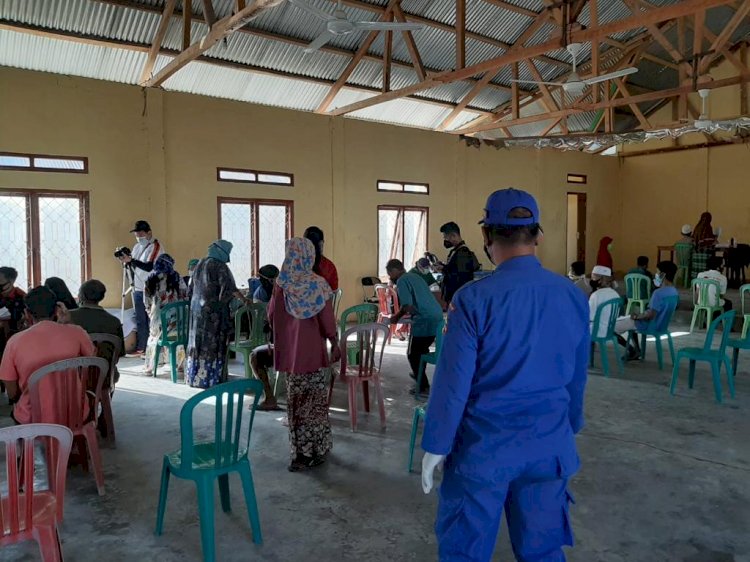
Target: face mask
{"x": 658, "y": 280}
{"x": 143, "y": 241}
{"x": 572, "y": 276}
{"x": 594, "y": 284}
{"x": 447, "y": 244}
{"x": 609, "y": 247}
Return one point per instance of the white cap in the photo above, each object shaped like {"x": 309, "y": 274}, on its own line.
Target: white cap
{"x": 601, "y": 270}
{"x": 687, "y": 229}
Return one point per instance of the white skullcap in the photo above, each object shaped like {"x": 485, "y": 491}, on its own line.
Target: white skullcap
{"x": 687, "y": 229}
{"x": 602, "y": 270}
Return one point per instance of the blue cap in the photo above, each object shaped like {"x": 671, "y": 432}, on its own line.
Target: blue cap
{"x": 503, "y": 201}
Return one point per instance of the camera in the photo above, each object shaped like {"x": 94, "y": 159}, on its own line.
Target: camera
{"x": 122, "y": 251}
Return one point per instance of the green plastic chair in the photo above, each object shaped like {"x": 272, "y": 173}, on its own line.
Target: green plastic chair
{"x": 614, "y": 306}
{"x": 364, "y": 314}
{"x": 715, "y": 357}
{"x": 653, "y": 330}
{"x": 429, "y": 358}
{"x": 179, "y": 313}
{"x": 638, "y": 291}
{"x": 419, "y": 413}
{"x": 684, "y": 255}
{"x": 745, "y": 289}
{"x": 736, "y": 344}
{"x": 256, "y": 317}
{"x": 700, "y": 289}
{"x": 205, "y": 461}
{"x": 337, "y": 294}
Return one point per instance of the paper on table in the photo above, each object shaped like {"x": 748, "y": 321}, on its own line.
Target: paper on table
{"x": 4, "y": 314}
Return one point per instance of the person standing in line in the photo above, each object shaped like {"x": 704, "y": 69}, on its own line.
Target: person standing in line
{"x": 142, "y": 259}
{"x": 323, "y": 266}
{"x": 301, "y": 316}
{"x": 507, "y": 398}
{"x": 461, "y": 264}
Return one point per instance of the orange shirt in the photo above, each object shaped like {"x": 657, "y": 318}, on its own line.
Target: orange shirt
{"x": 44, "y": 343}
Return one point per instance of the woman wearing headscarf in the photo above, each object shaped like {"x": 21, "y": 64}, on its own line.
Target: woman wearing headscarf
{"x": 604, "y": 257}
{"x": 211, "y": 290}
{"x": 267, "y": 276}
{"x": 301, "y": 316}
{"x": 61, "y": 292}
{"x": 323, "y": 266}
{"x": 163, "y": 286}
{"x": 704, "y": 240}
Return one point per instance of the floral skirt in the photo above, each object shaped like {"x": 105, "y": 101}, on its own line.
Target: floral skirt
{"x": 307, "y": 411}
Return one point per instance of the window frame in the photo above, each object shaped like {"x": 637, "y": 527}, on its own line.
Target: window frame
{"x": 33, "y": 254}
{"x": 32, "y": 168}
{"x": 255, "y": 203}
{"x": 404, "y": 208}
{"x": 257, "y": 173}
{"x": 403, "y": 187}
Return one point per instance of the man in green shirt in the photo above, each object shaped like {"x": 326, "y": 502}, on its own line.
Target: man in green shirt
{"x": 416, "y": 300}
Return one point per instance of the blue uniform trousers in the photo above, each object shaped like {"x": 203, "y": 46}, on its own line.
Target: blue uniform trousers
{"x": 535, "y": 499}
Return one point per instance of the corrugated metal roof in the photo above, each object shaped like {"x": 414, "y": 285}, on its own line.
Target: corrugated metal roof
{"x": 436, "y": 46}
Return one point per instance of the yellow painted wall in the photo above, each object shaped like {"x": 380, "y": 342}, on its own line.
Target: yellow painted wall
{"x": 154, "y": 155}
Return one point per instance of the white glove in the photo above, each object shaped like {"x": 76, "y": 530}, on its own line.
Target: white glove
{"x": 430, "y": 462}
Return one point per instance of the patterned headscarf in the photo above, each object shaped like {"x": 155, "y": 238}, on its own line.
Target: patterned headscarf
{"x": 220, "y": 250}
{"x": 163, "y": 266}
{"x": 305, "y": 293}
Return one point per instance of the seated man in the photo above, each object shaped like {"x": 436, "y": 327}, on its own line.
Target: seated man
{"x": 45, "y": 342}
{"x": 577, "y": 274}
{"x": 416, "y": 299}
{"x": 267, "y": 276}
{"x": 713, "y": 274}
{"x": 642, "y": 267}
{"x": 261, "y": 359}
{"x": 658, "y": 312}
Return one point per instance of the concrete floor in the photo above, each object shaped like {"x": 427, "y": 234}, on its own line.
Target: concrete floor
{"x": 663, "y": 479}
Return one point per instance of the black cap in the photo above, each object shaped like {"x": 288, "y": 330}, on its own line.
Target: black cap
{"x": 141, "y": 226}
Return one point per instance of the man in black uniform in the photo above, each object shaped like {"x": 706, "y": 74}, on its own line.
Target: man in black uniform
{"x": 461, "y": 264}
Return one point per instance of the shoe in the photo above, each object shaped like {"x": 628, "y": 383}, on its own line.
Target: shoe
{"x": 631, "y": 355}
{"x": 413, "y": 390}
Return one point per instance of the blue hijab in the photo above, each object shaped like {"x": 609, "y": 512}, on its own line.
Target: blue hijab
{"x": 220, "y": 250}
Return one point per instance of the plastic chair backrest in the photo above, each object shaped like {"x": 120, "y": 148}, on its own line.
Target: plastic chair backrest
{"x": 229, "y": 442}
{"x": 369, "y": 282}
{"x": 744, "y": 290}
{"x": 66, "y": 382}
{"x": 179, "y": 313}
{"x": 387, "y": 299}
{"x": 683, "y": 253}
{"x": 637, "y": 286}
{"x": 337, "y": 294}
{"x": 671, "y": 303}
{"x": 367, "y": 352}
{"x": 365, "y": 314}
{"x": 702, "y": 293}
{"x": 726, "y": 320}
{"x": 114, "y": 344}
{"x": 615, "y": 305}
{"x": 439, "y": 337}
{"x": 15, "y": 518}
{"x": 256, "y": 314}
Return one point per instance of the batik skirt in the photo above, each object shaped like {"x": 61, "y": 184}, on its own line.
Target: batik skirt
{"x": 307, "y": 411}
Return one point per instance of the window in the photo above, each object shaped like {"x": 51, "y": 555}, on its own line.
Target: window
{"x": 403, "y": 187}
{"x": 43, "y": 163}
{"x": 45, "y": 234}
{"x": 577, "y": 178}
{"x": 402, "y": 234}
{"x": 254, "y": 176}
{"x": 258, "y": 229}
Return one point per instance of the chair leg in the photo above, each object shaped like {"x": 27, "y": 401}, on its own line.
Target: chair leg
{"x": 250, "y": 500}
{"x": 735, "y": 359}
{"x": 605, "y": 360}
{"x": 246, "y": 365}
{"x": 413, "y": 438}
{"x": 381, "y": 401}
{"x": 618, "y": 358}
{"x": 629, "y": 307}
{"x": 173, "y": 362}
{"x": 730, "y": 376}
{"x": 226, "y": 504}
{"x": 696, "y": 310}
{"x": 671, "y": 346}
{"x": 366, "y": 395}
{"x": 162, "y": 498}
{"x": 353, "y": 403}
{"x": 96, "y": 457}
{"x": 48, "y": 539}
{"x": 675, "y": 373}
{"x": 206, "y": 515}
{"x": 659, "y": 354}
{"x": 591, "y": 354}
{"x": 643, "y": 346}
{"x": 691, "y": 374}
{"x": 157, "y": 355}
{"x": 715, "y": 375}
{"x": 108, "y": 417}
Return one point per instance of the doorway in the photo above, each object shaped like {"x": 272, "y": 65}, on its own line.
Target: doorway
{"x": 576, "y": 230}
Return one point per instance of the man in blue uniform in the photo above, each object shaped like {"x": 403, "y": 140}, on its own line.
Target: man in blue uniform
{"x": 507, "y": 398}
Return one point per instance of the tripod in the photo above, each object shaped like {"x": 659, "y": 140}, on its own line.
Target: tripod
{"x": 127, "y": 280}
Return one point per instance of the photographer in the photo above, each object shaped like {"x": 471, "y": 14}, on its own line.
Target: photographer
{"x": 141, "y": 263}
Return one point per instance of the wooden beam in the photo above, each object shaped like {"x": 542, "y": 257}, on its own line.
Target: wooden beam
{"x": 411, "y": 45}
{"x": 208, "y": 12}
{"x": 161, "y": 31}
{"x": 238, "y": 5}
{"x": 726, "y": 33}
{"x": 682, "y": 147}
{"x": 478, "y": 87}
{"x": 514, "y": 100}
{"x": 460, "y": 34}
{"x": 609, "y": 114}
{"x": 681, "y": 72}
{"x": 633, "y": 107}
{"x": 700, "y": 20}
{"x": 219, "y": 30}
{"x": 521, "y": 121}
{"x": 513, "y": 8}
{"x": 646, "y": 56}
{"x": 743, "y": 85}
{"x": 387, "y": 55}
{"x": 547, "y": 99}
{"x": 594, "y": 13}
{"x": 187, "y": 23}
{"x": 551, "y": 126}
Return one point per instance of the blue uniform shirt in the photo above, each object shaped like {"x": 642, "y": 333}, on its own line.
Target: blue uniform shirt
{"x": 511, "y": 375}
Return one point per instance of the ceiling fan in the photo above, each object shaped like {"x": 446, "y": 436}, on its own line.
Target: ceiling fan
{"x": 338, "y": 24}
{"x": 574, "y": 85}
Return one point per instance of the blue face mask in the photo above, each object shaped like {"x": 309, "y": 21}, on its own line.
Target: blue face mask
{"x": 658, "y": 279}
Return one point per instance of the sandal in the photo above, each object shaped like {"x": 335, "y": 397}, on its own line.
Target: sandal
{"x": 302, "y": 463}
{"x": 265, "y": 407}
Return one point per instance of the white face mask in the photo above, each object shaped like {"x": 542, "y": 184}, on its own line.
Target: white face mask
{"x": 658, "y": 279}
{"x": 142, "y": 240}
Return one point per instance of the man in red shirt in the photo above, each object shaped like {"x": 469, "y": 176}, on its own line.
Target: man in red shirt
{"x": 45, "y": 342}
{"x": 323, "y": 266}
